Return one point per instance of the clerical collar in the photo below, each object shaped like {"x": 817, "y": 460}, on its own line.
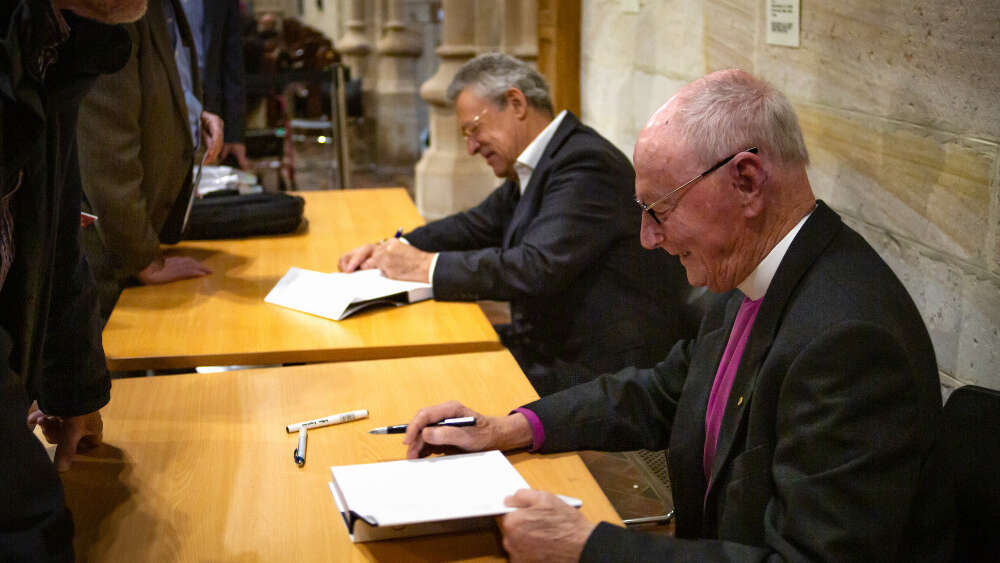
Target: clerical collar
{"x": 756, "y": 284}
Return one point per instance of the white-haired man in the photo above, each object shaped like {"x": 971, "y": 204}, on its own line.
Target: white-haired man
{"x": 801, "y": 418}
{"x": 50, "y": 334}
{"x": 557, "y": 239}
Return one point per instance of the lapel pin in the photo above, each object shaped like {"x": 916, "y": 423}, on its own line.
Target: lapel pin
{"x": 739, "y": 401}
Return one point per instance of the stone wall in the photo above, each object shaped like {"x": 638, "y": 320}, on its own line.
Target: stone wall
{"x": 900, "y": 109}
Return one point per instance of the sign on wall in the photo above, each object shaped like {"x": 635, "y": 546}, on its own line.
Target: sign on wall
{"x": 783, "y": 22}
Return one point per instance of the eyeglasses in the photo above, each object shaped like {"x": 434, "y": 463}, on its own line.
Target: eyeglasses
{"x": 716, "y": 166}
{"x": 473, "y": 125}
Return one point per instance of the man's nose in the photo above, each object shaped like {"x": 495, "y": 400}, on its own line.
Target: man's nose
{"x": 471, "y": 145}
{"x": 650, "y": 232}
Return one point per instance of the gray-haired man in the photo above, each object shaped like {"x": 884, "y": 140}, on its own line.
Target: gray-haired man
{"x": 558, "y": 239}
{"x": 800, "y": 420}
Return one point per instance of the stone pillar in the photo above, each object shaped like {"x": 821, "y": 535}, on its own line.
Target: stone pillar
{"x": 354, "y": 46}
{"x": 520, "y": 33}
{"x": 447, "y": 178}
{"x": 397, "y": 136}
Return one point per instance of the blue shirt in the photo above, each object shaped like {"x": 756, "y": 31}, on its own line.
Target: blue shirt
{"x": 182, "y": 56}
{"x": 195, "y": 12}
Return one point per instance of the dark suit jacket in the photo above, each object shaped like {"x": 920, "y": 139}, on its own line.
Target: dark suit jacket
{"x": 223, "y": 78}
{"x": 136, "y": 155}
{"x": 823, "y": 450}
{"x": 567, "y": 256}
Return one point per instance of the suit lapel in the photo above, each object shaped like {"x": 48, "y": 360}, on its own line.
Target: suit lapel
{"x": 687, "y": 436}
{"x": 814, "y": 236}
{"x": 529, "y": 202}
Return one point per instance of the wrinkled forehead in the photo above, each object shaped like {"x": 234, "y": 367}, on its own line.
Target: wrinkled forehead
{"x": 659, "y": 153}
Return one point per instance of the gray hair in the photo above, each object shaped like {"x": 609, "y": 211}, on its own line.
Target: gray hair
{"x": 492, "y": 74}
{"x": 731, "y": 110}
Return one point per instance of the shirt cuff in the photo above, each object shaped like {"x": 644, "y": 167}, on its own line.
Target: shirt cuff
{"x": 430, "y": 274}
{"x": 537, "y": 430}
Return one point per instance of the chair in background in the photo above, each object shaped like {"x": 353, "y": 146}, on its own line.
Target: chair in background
{"x": 653, "y": 465}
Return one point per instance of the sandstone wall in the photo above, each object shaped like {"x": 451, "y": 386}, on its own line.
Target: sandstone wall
{"x": 900, "y": 108}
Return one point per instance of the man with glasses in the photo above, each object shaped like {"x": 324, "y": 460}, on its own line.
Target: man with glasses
{"x": 800, "y": 420}
{"x": 557, "y": 239}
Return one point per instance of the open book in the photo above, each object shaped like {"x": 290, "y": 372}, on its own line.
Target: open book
{"x": 337, "y": 296}
{"x": 415, "y": 497}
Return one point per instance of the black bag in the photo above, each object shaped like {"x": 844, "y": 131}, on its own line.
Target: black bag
{"x": 234, "y": 216}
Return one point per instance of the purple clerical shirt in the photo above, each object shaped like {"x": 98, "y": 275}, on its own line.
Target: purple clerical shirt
{"x": 724, "y": 376}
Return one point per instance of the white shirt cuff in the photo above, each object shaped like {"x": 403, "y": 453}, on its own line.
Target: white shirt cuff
{"x": 430, "y": 273}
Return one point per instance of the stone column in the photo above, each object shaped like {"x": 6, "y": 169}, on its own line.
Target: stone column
{"x": 520, "y": 34}
{"x": 447, "y": 178}
{"x": 354, "y": 46}
{"x": 397, "y": 137}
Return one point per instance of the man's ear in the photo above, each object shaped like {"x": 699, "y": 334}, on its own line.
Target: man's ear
{"x": 517, "y": 102}
{"x": 749, "y": 179}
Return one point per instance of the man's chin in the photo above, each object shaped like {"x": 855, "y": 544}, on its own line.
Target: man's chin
{"x": 108, "y": 11}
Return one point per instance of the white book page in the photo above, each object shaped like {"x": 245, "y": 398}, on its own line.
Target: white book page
{"x": 424, "y": 490}
{"x": 371, "y": 284}
{"x": 329, "y": 295}
{"x": 310, "y": 292}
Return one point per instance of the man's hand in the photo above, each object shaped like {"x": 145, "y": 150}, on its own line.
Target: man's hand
{"x": 544, "y": 528}
{"x": 400, "y": 261}
{"x": 489, "y": 433}
{"x": 353, "y": 259}
{"x": 172, "y": 268}
{"x": 239, "y": 152}
{"x": 71, "y": 434}
{"x": 211, "y": 136}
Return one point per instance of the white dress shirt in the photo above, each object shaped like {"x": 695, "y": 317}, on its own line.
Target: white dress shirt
{"x": 523, "y": 166}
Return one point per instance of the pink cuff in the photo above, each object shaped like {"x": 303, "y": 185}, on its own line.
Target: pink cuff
{"x": 537, "y": 430}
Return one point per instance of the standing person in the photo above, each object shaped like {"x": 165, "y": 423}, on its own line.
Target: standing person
{"x": 139, "y": 130}
{"x": 50, "y": 333}
{"x": 557, "y": 239}
{"x": 800, "y": 421}
{"x": 215, "y": 27}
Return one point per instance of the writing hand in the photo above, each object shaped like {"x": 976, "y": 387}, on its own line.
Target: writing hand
{"x": 490, "y": 432}
{"x": 543, "y": 528}
{"x": 355, "y": 258}
{"x": 71, "y": 434}
{"x": 172, "y": 268}
{"x": 400, "y": 261}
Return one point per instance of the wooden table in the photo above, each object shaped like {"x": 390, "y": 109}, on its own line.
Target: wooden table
{"x": 198, "y": 467}
{"x": 222, "y": 319}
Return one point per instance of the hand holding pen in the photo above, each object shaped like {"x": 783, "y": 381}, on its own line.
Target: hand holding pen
{"x": 401, "y": 428}
{"x": 362, "y": 256}
{"x": 424, "y": 434}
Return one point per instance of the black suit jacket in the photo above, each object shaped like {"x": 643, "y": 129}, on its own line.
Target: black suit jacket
{"x": 824, "y": 448}
{"x": 223, "y": 80}
{"x": 567, "y": 256}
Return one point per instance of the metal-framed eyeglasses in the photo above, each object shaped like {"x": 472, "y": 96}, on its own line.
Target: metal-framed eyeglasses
{"x": 648, "y": 208}
{"x": 470, "y": 129}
